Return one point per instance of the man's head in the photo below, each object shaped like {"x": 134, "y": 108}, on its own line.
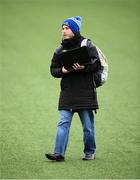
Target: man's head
{"x": 71, "y": 26}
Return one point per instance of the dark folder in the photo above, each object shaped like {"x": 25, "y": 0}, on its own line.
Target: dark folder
{"x": 78, "y": 55}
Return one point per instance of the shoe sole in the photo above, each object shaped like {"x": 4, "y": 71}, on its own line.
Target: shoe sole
{"x": 60, "y": 160}
{"x": 88, "y": 159}
{"x": 50, "y": 157}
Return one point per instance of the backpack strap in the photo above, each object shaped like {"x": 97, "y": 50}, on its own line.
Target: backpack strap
{"x": 84, "y": 42}
{"x": 87, "y": 42}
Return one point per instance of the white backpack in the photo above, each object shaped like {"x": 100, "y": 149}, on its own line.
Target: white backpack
{"x": 100, "y": 77}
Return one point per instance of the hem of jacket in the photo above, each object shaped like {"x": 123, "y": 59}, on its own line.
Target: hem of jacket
{"x": 78, "y": 108}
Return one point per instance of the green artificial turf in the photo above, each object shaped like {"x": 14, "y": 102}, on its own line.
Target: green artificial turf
{"x": 30, "y": 30}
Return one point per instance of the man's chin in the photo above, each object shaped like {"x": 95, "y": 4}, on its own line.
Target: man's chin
{"x": 66, "y": 37}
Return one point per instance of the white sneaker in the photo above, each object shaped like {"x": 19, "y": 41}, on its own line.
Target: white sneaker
{"x": 89, "y": 157}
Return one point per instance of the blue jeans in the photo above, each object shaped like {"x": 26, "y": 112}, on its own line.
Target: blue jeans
{"x": 87, "y": 120}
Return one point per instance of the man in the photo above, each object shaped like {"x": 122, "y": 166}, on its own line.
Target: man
{"x": 78, "y": 93}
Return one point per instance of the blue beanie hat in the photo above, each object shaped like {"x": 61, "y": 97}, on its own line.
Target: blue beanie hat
{"x": 74, "y": 23}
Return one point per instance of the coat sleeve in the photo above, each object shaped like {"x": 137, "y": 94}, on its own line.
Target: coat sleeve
{"x": 56, "y": 67}
{"x": 94, "y": 65}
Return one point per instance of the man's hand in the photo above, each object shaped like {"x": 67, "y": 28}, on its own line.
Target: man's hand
{"x": 66, "y": 71}
{"x": 78, "y": 67}
{"x": 75, "y": 66}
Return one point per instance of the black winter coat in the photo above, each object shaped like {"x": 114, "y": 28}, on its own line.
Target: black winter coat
{"x": 77, "y": 88}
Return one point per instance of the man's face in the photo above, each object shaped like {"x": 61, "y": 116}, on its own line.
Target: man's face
{"x": 67, "y": 32}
